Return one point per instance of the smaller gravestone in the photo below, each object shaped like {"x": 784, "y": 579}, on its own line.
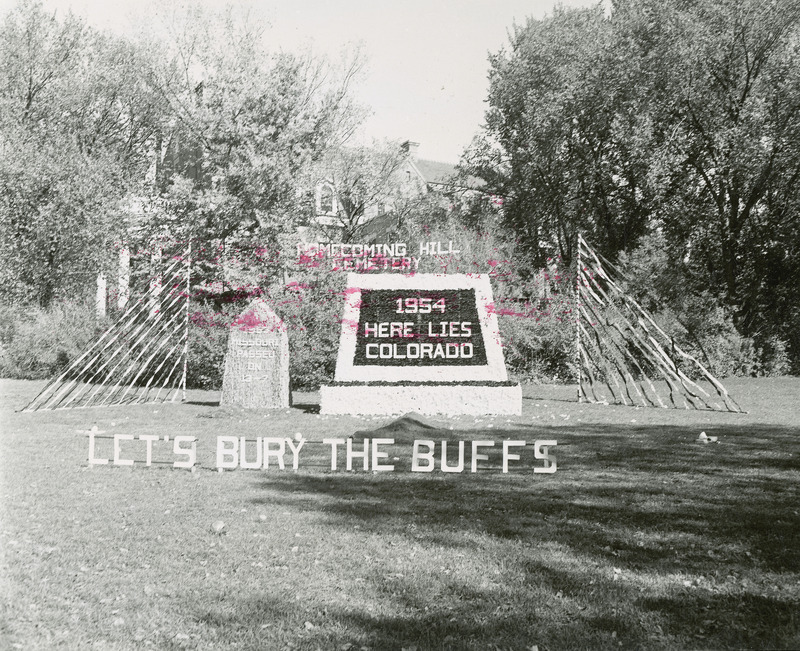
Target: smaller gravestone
{"x": 257, "y": 362}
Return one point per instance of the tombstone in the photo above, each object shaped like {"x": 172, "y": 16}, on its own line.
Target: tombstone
{"x": 424, "y": 343}
{"x": 257, "y": 362}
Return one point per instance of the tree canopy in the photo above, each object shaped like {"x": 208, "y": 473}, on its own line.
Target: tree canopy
{"x": 672, "y": 120}
{"x": 198, "y": 120}
{"x": 76, "y": 120}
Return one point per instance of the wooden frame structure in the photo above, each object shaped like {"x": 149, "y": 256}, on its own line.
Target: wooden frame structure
{"x": 620, "y": 348}
{"x": 141, "y": 358}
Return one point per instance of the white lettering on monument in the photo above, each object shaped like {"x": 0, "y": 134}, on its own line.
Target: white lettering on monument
{"x": 257, "y": 361}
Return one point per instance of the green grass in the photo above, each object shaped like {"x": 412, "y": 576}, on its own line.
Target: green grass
{"x": 643, "y": 539}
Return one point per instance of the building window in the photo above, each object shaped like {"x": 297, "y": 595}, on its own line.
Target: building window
{"x": 326, "y": 200}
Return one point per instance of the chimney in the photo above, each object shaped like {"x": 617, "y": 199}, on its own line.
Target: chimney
{"x": 410, "y": 148}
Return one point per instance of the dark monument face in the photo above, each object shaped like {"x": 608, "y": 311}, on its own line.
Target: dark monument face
{"x": 419, "y": 328}
{"x": 257, "y": 361}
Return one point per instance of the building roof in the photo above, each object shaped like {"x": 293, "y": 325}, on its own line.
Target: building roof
{"x": 440, "y": 173}
{"x": 434, "y": 171}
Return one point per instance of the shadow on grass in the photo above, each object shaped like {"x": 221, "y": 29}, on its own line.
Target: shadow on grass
{"x": 468, "y": 626}
{"x": 740, "y": 495}
{"x": 306, "y": 407}
{"x": 752, "y": 621}
{"x": 650, "y": 502}
{"x": 558, "y": 613}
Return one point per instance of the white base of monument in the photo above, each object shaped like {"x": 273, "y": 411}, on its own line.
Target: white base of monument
{"x": 450, "y": 399}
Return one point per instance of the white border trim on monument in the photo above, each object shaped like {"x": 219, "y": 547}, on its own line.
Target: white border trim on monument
{"x": 493, "y": 371}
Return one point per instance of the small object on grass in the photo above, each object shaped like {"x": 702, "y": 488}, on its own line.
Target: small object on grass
{"x": 218, "y": 526}
{"x": 705, "y": 439}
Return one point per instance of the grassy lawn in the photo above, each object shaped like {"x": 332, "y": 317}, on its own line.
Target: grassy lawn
{"x": 644, "y": 538}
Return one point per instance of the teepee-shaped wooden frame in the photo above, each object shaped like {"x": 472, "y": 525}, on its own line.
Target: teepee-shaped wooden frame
{"x": 141, "y": 358}
{"x": 620, "y": 347}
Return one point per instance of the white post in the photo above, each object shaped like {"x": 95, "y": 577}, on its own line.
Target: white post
{"x": 100, "y": 299}
{"x": 186, "y": 332}
{"x": 578, "y": 319}
{"x": 124, "y": 291}
{"x": 155, "y": 281}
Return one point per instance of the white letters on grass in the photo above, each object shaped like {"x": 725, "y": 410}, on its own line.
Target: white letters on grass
{"x": 368, "y": 455}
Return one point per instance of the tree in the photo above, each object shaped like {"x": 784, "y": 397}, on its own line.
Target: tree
{"x": 254, "y": 123}
{"x": 56, "y": 224}
{"x": 674, "y": 117}
{"x": 75, "y": 127}
{"x": 555, "y": 145}
{"x": 122, "y": 117}
{"x": 38, "y": 53}
{"x": 727, "y": 154}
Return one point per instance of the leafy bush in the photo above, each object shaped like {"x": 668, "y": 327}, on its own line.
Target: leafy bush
{"x": 775, "y": 357}
{"x": 208, "y": 341}
{"x": 37, "y": 343}
{"x": 539, "y": 341}
{"x": 311, "y": 309}
{"x": 534, "y": 309}
{"x": 696, "y": 317}
{"x": 534, "y": 306}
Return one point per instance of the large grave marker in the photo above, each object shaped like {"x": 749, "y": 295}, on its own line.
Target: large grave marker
{"x": 426, "y": 343}
{"x": 257, "y": 362}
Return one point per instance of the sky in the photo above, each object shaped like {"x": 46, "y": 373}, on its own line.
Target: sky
{"x": 427, "y": 60}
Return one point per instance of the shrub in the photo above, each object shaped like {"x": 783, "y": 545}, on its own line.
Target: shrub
{"x": 697, "y": 318}
{"x": 38, "y": 343}
{"x": 534, "y": 307}
{"x": 311, "y": 309}
{"x": 775, "y": 357}
{"x": 208, "y": 342}
{"x": 538, "y": 341}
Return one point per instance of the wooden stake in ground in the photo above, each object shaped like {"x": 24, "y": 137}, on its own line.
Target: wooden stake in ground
{"x": 577, "y": 313}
